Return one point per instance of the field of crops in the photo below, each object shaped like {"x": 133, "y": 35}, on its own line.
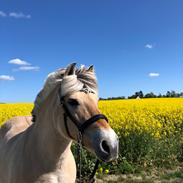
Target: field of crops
{"x": 155, "y": 116}
{"x": 11, "y": 110}
{"x": 143, "y": 115}
{"x": 150, "y": 130}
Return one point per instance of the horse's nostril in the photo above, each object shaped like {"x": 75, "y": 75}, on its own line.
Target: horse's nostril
{"x": 105, "y": 146}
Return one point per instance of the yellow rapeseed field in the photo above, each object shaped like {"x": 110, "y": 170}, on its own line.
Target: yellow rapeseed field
{"x": 11, "y": 110}
{"x": 157, "y": 116}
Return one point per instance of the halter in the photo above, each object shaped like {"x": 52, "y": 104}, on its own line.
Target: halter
{"x": 81, "y": 129}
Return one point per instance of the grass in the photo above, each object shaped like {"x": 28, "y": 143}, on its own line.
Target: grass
{"x": 174, "y": 175}
{"x": 178, "y": 174}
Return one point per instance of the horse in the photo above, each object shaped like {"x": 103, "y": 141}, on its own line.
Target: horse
{"x": 37, "y": 148}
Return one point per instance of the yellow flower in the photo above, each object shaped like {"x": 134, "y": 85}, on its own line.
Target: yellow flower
{"x": 100, "y": 170}
{"x": 106, "y": 171}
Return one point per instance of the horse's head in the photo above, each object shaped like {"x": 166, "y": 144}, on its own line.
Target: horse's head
{"x": 76, "y": 91}
{"x": 79, "y": 98}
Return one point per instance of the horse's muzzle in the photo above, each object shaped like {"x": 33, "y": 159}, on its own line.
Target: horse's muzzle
{"x": 106, "y": 145}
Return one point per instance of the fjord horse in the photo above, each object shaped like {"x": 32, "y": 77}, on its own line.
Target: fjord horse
{"x": 37, "y": 150}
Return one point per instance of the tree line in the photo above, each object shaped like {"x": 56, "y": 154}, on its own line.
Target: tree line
{"x": 140, "y": 94}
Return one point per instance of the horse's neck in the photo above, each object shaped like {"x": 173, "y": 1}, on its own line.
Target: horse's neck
{"x": 50, "y": 147}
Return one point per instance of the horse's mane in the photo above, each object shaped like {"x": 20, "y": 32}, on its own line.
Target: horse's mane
{"x": 82, "y": 79}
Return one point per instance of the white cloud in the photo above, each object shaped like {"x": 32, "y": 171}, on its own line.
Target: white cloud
{"x": 154, "y": 74}
{"x": 6, "y": 78}
{"x": 15, "y": 15}
{"x": 28, "y": 68}
{"x": 2, "y": 14}
{"x": 23, "y": 65}
{"x": 19, "y": 15}
{"x": 149, "y": 46}
{"x": 18, "y": 61}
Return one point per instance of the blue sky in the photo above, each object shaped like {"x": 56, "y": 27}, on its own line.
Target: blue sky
{"x": 134, "y": 45}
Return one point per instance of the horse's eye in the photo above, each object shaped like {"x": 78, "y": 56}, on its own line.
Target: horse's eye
{"x": 73, "y": 102}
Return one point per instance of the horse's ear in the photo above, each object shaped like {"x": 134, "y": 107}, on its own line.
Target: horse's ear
{"x": 70, "y": 69}
{"x": 90, "y": 68}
